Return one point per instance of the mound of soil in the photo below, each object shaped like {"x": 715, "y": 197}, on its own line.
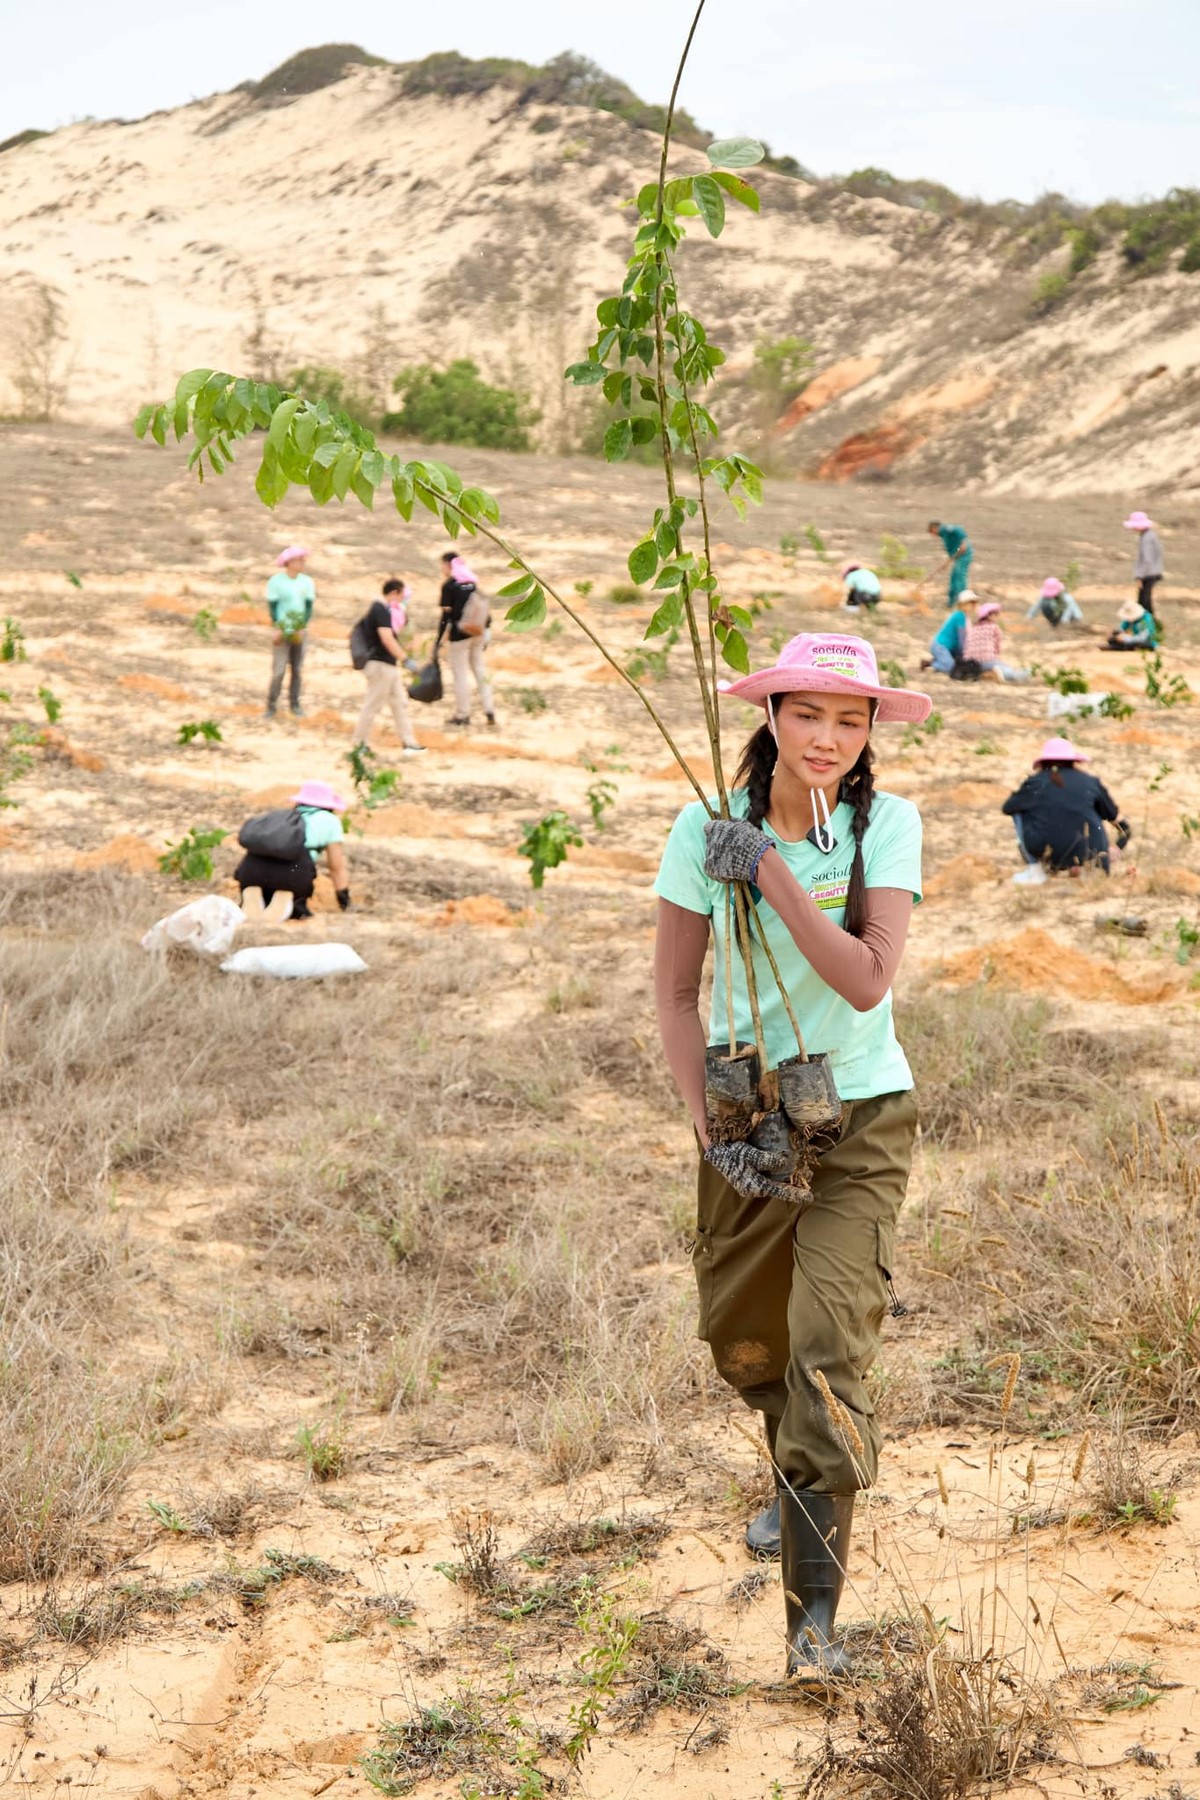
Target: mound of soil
{"x": 1037, "y": 963}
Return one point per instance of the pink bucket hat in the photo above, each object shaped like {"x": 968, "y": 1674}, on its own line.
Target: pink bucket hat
{"x": 814, "y": 663}
{"x": 293, "y": 553}
{"x": 987, "y": 609}
{"x": 849, "y": 569}
{"x": 319, "y": 793}
{"x": 1052, "y": 587}
{"x": 1060, "y": 750}
{"x": 1137, "y": 521}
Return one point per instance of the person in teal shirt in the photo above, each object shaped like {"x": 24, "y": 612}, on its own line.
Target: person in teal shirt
{"x": 1137, "y": 629}
{"x": 862, "y": 588}
{"x": 946, "y": 647}
{"x": 959, "y": 551}
{"x": 290, "y": 597}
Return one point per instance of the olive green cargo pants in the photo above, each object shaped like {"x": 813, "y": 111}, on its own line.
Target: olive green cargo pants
{"x": 785, "y": 1294}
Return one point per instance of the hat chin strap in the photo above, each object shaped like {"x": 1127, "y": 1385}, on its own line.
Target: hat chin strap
{"x": 822, "y": 831}
{"x": 771, "y": 719}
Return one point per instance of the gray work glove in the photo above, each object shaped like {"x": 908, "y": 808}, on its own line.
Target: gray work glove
{"x": 733, "y": 849}
{"x": 750, "y": 1170}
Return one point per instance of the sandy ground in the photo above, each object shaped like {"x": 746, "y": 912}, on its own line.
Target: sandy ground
{"x": 282, "y": 1698}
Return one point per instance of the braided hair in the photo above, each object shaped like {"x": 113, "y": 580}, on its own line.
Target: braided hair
{"x": 755, "y": 772}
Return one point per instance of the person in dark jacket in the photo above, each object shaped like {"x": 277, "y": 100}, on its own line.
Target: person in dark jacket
{"x": 468, "y": 655}
{"x": 1060, "y": 813}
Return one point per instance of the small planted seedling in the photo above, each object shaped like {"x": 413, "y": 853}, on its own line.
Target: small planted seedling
{"x": 51, "y": 705}
{"x": 205, "y": 624}
{"x": 816, "y": 543}
{"x": 1187, "y": 936}
{"x": 1064, "y": 681}
{"x": 191, "y": 858}
{"x": 323, "y": 1454}
{"x": 546, "y": 843}
{"x": 1162, "y": 688}
{"x": 894, "y": 562}
{"x": 207, "y": 730}
{"x": 789, "y": 546}
{"x": 73, "y": 578}
{"x": 372, "y": 785}
{"x": 12, "y": 644}
{"x": 583, "y": 588}
{"x": 600, "y": 796}
{"x": 892, "y": 672}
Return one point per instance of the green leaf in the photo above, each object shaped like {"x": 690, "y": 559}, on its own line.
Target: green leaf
{"x": 282, "y": 420}
{"x": 142, "y": 423}
{"x": 735, "y": 653}
{"x": 647, "y": 199}
{"x": 618, "y": 440}
{"x": 362, "y": 488}
{"x": 158, "y": 425}
{"x": 527, "y": 613}
{"x": 189, "y": 385}
{"x": 738, "y": 190}
{"x": 270, "y": 484}
{"x": 736, "y": 153}
{"x": 402, "y": 493}
{"x": 644, "y": 430}
{"x": 320, "y": 484}
{"x": 643, "y": 561}
{"x": 516, "y": 588}
{"x": 374, "y": 467}
{"x": 585, "y": 374}
{"x": 606, "y": 312}
{"x": 670, "y": 577}
{"x": 669, "y": 614}
{"x": 711, "y": 203}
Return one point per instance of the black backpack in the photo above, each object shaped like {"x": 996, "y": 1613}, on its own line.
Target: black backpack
{"x": 360, "y": 644}
{"x": 966, "y": 669}
{"x": 278, "y": 834}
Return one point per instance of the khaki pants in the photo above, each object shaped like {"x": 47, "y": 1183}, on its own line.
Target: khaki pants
{"x": 785, "y": 1293}
{"x": 467, "y": 659}
{"x": 385, "y": 687}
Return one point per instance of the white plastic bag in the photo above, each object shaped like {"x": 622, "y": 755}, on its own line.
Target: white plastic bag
{"x": 293, "y": 962}
{"x": 207, "y": 926}
{"x": 1068, "y": 706}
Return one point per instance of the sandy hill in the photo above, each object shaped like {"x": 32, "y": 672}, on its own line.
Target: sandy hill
{"x": 365, "y": 223}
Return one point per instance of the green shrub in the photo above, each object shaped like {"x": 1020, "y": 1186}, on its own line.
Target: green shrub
{"x": 316, "y": 382}
{"x": 1050, "y": 289}
{"x": 456, "y": 406}
{"x": 546, "y": 843}
{"x": 191, "y": 857}
{"x": 1085, "y": 242}
{"x": 1189, "y": 262}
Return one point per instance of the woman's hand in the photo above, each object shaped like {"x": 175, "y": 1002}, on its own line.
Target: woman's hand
{"x": 750, "y": 1170}
{"x": 733, "y": 849}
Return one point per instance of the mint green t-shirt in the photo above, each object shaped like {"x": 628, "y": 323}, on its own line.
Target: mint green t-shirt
{"x": 321, "y": 828}
{"x": 290, "y": 601}
{"x": 861, "y": 1046}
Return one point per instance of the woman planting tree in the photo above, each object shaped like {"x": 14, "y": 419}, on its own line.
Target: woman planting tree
{"x": 794, "y": 1285}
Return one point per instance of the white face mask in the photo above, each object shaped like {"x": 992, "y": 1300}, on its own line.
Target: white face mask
{"x": 821, "y": 836}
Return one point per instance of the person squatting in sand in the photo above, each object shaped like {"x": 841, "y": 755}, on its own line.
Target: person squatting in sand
{"x": 1055, "y": 605}
{"x": 261, "y": 877}
{"x": 1060, "y": 813}
{"x": 793, "y": 1296}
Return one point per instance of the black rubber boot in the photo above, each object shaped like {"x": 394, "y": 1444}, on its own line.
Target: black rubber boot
{"x": 815, "y": 1544}
{"x": 762, "y": 1533}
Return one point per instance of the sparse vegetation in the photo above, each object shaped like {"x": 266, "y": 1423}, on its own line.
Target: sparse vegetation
{"x": 205, "y": 624}
{"x": 207, "y": 730}
{"x": 601, "y": 795}
{"x": 546, "y": 843}
{"x": 191, "y": 858}
{"x": 894, "y": 562}
{"x": 455, "y": 405}
{"x": 51, "y": 705}
{"x": 12, "y": 644}
{"x": 1164, "y": 688}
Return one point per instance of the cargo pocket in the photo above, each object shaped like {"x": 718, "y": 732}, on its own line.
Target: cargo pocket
{"x": 885, "y": 1256}
{"x": 702, "y": 1263}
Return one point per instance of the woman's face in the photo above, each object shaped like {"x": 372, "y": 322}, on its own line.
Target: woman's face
{"x": 295, "y": 566}
{"x": 821, "y": 736}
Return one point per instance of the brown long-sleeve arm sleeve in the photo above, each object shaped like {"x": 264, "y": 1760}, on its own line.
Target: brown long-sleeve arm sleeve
{"x": 680, "y": 946}
{"x": 861, "y": 969}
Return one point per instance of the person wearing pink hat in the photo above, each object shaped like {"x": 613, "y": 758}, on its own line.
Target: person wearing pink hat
{"x": 784, "y": 1291}
{"x": 1148, "y": 564}
{"x": 1055, "y": 605}
{"x": 290, "y": 598}
{"x": 282, "y": 850}
{"x": 982, "y": 644}
{"x": 1060, "y": 813}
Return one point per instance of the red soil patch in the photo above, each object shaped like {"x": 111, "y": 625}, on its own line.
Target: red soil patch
{"x": 324, "y": 719}
{"x": 604, "y": 672}
{"x": 409, "y": 819}
{"x": 867, "y": 453}
{"x": 242, "y": 613}
{"x": 672, "y": 772}
{"x": 170, "y": 603}
{"x": 1138, "y": 734}
{"x": 962, "y": 876}
{"x": 133, "y": 854}
{"x": 1037, "y": 963}
{"x": 57, "y": 744}
{"x": 630, "y": 862}
{"x": 513, "y": 663}
{"x": 153, "y": 684}
{"x": 838, "y": 379}
{"x": 482, "y": 909}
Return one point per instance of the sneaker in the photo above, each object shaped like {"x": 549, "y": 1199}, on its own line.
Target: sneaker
{"x": 414, "y": 750}
{"x": 270, "y": 713}
{"x": 298, "y": 712}
{"x": 457, "y": 721}
{"x": 1032, "y": 875}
